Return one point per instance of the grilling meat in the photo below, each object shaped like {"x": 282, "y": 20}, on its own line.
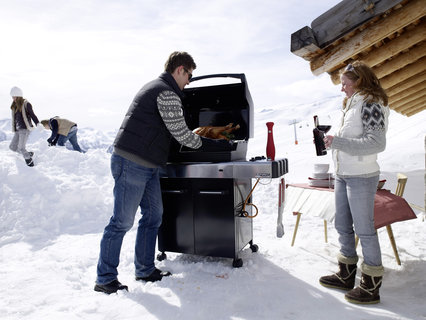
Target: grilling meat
{"x": 212, "y": 132}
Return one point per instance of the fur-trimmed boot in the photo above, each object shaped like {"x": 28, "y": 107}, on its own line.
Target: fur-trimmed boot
{"x": 343, "y": 279}
{"x": 368, "y": 290}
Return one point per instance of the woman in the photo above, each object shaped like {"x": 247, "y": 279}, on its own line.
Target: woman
{"x": 362, "y": 134}
{"x": 22, "y": 114}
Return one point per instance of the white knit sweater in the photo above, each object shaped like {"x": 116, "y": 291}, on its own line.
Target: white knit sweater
{"x": 361, "y": 135}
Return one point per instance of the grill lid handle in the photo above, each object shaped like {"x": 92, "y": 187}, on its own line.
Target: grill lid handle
{"x": 240, "y": 76}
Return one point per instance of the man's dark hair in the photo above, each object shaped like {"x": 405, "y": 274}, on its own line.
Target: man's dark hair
{"x": 179, "y": 58}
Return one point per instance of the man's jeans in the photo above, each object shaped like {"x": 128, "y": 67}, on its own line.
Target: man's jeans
{"x": 72, "y": 137}
{"x": 19, "y": 142}
{"x": 354, "y": 199}
{"x": 135, "y": 186}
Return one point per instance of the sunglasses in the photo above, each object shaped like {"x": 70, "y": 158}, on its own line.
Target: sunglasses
{"x": 351, "y": 68}
{"x": 189, "y": 74}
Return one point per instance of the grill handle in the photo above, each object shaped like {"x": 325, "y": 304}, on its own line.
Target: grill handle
{"x": 182, "y": 191}
{"x": 216, "y": 193}
{"x": 240, "y": 76}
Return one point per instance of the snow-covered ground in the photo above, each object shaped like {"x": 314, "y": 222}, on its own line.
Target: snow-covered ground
{"x": 52, "y": 217}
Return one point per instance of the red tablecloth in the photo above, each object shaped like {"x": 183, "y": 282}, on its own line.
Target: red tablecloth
{"x": 388, "y": 208}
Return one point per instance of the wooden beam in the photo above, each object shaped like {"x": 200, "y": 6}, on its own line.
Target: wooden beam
{"x": 412, "y": 69}
{"x": 304, "y": 44}
{"x": 402, "y": 42}
{"x": 346, "y": 16}
{"x": 415, "y": 107}
{"x": 415, "y": 96}
{"x": 408, "y": 105}
{"x": 396, "y": 20}
{"x": 388, "y": 50}
{"x": 416, "y": 110}
{"x": 400, "y": 61}
{"x": 405, "y": 85}
{"x": 408, "y": 92}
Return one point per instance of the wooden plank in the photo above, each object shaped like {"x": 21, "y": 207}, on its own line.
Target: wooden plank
{"x": 304, "y": 44}
{"x": 408, "y": 92}
{"x": 397, "y": 105}
{"x": 398, "y": 19}
{"x": 415, "y": 110}
{"x": 346, "y": 16}
{"x": 405, "y": 106}
{"x": 401, "y": 87}
{"x": 388, "y": 50}
{"x": 401, "y": 61}
{"x": 420, "y": 105}
{"x": 402, "y": 42}
{"x": 409, "y": 71}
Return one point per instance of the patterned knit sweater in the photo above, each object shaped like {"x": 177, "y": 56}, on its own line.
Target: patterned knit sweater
{"x": 170, "y": 108}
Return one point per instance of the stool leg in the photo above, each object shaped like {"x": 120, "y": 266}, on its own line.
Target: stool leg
{"x": 392, "y": 241}
{"x": 295, "y": 228}
{"x": 325, "y": 231}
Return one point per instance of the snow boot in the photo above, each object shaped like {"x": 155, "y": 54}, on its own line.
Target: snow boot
{"x": 343, "y": 279}
{"x": 29, "y": 162}
{"x": 367, "y": 292}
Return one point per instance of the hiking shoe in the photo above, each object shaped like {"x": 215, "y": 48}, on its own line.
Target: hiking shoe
{"x": 30, "y": 162}
{"x": 111, "y": 287}
{"x": 156, "y": 275}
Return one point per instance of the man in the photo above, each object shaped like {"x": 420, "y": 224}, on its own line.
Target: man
{"x": 62, "y": 131}
{"x": 140, "y": 149}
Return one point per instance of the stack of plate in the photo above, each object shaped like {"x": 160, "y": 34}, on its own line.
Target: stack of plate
{"x": 321, "y": 178}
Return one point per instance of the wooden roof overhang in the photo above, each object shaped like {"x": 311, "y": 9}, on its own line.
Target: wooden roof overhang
{"x": 387, "y": 35}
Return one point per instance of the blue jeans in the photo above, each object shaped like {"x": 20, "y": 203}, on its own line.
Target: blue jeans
{"x": 135, "y": 186}
{"x": 354, "y": 198}
{"x": 72, "y": 137}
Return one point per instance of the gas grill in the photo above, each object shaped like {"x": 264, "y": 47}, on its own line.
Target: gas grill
{"x": 206, "y": 194}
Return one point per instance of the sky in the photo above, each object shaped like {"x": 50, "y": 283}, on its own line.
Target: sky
{"x": 85, "y": 60}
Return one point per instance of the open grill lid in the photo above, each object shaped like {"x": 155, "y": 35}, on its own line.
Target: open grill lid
{"x": 217, "y": 105}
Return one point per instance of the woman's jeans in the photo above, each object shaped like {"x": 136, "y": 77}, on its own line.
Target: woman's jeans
{"x": 72, "y": 137}
{"x": 19, "y": 142}
{"x": 354, "y": 198}
{"x": 135, "y": 186}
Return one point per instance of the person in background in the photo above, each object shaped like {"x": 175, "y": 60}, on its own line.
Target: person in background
{"x": 360, "y": 137}
{"x": 62, "y": 130}
{"x": 22, "y": 114}
{"x": 141, "y": 148}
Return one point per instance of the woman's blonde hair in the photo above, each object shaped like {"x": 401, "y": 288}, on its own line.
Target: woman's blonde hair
{"x": 366, "y": 82}
{"x": 17, "y": 104}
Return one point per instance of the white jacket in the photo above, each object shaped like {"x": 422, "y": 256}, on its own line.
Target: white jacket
{"x": 362, "y": 134}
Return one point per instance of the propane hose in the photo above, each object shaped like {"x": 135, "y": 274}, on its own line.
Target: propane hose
{"x": 246, "y": 203}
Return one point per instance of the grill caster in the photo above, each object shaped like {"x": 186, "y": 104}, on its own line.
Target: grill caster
{"x": 161, "y": 256}
{"x": 254, "y": 247}
{"x": 237, "y": 263}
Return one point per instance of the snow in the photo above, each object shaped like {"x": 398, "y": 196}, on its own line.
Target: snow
{"x": 52, "y": 218}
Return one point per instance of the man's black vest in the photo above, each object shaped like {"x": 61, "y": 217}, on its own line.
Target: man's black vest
{"x": 143, "y": 132}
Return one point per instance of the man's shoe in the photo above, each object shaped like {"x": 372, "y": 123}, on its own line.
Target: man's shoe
{"x": 156, "y": 275}
{"x": 29, "y": 162}
{"x": 111, "y": 287}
